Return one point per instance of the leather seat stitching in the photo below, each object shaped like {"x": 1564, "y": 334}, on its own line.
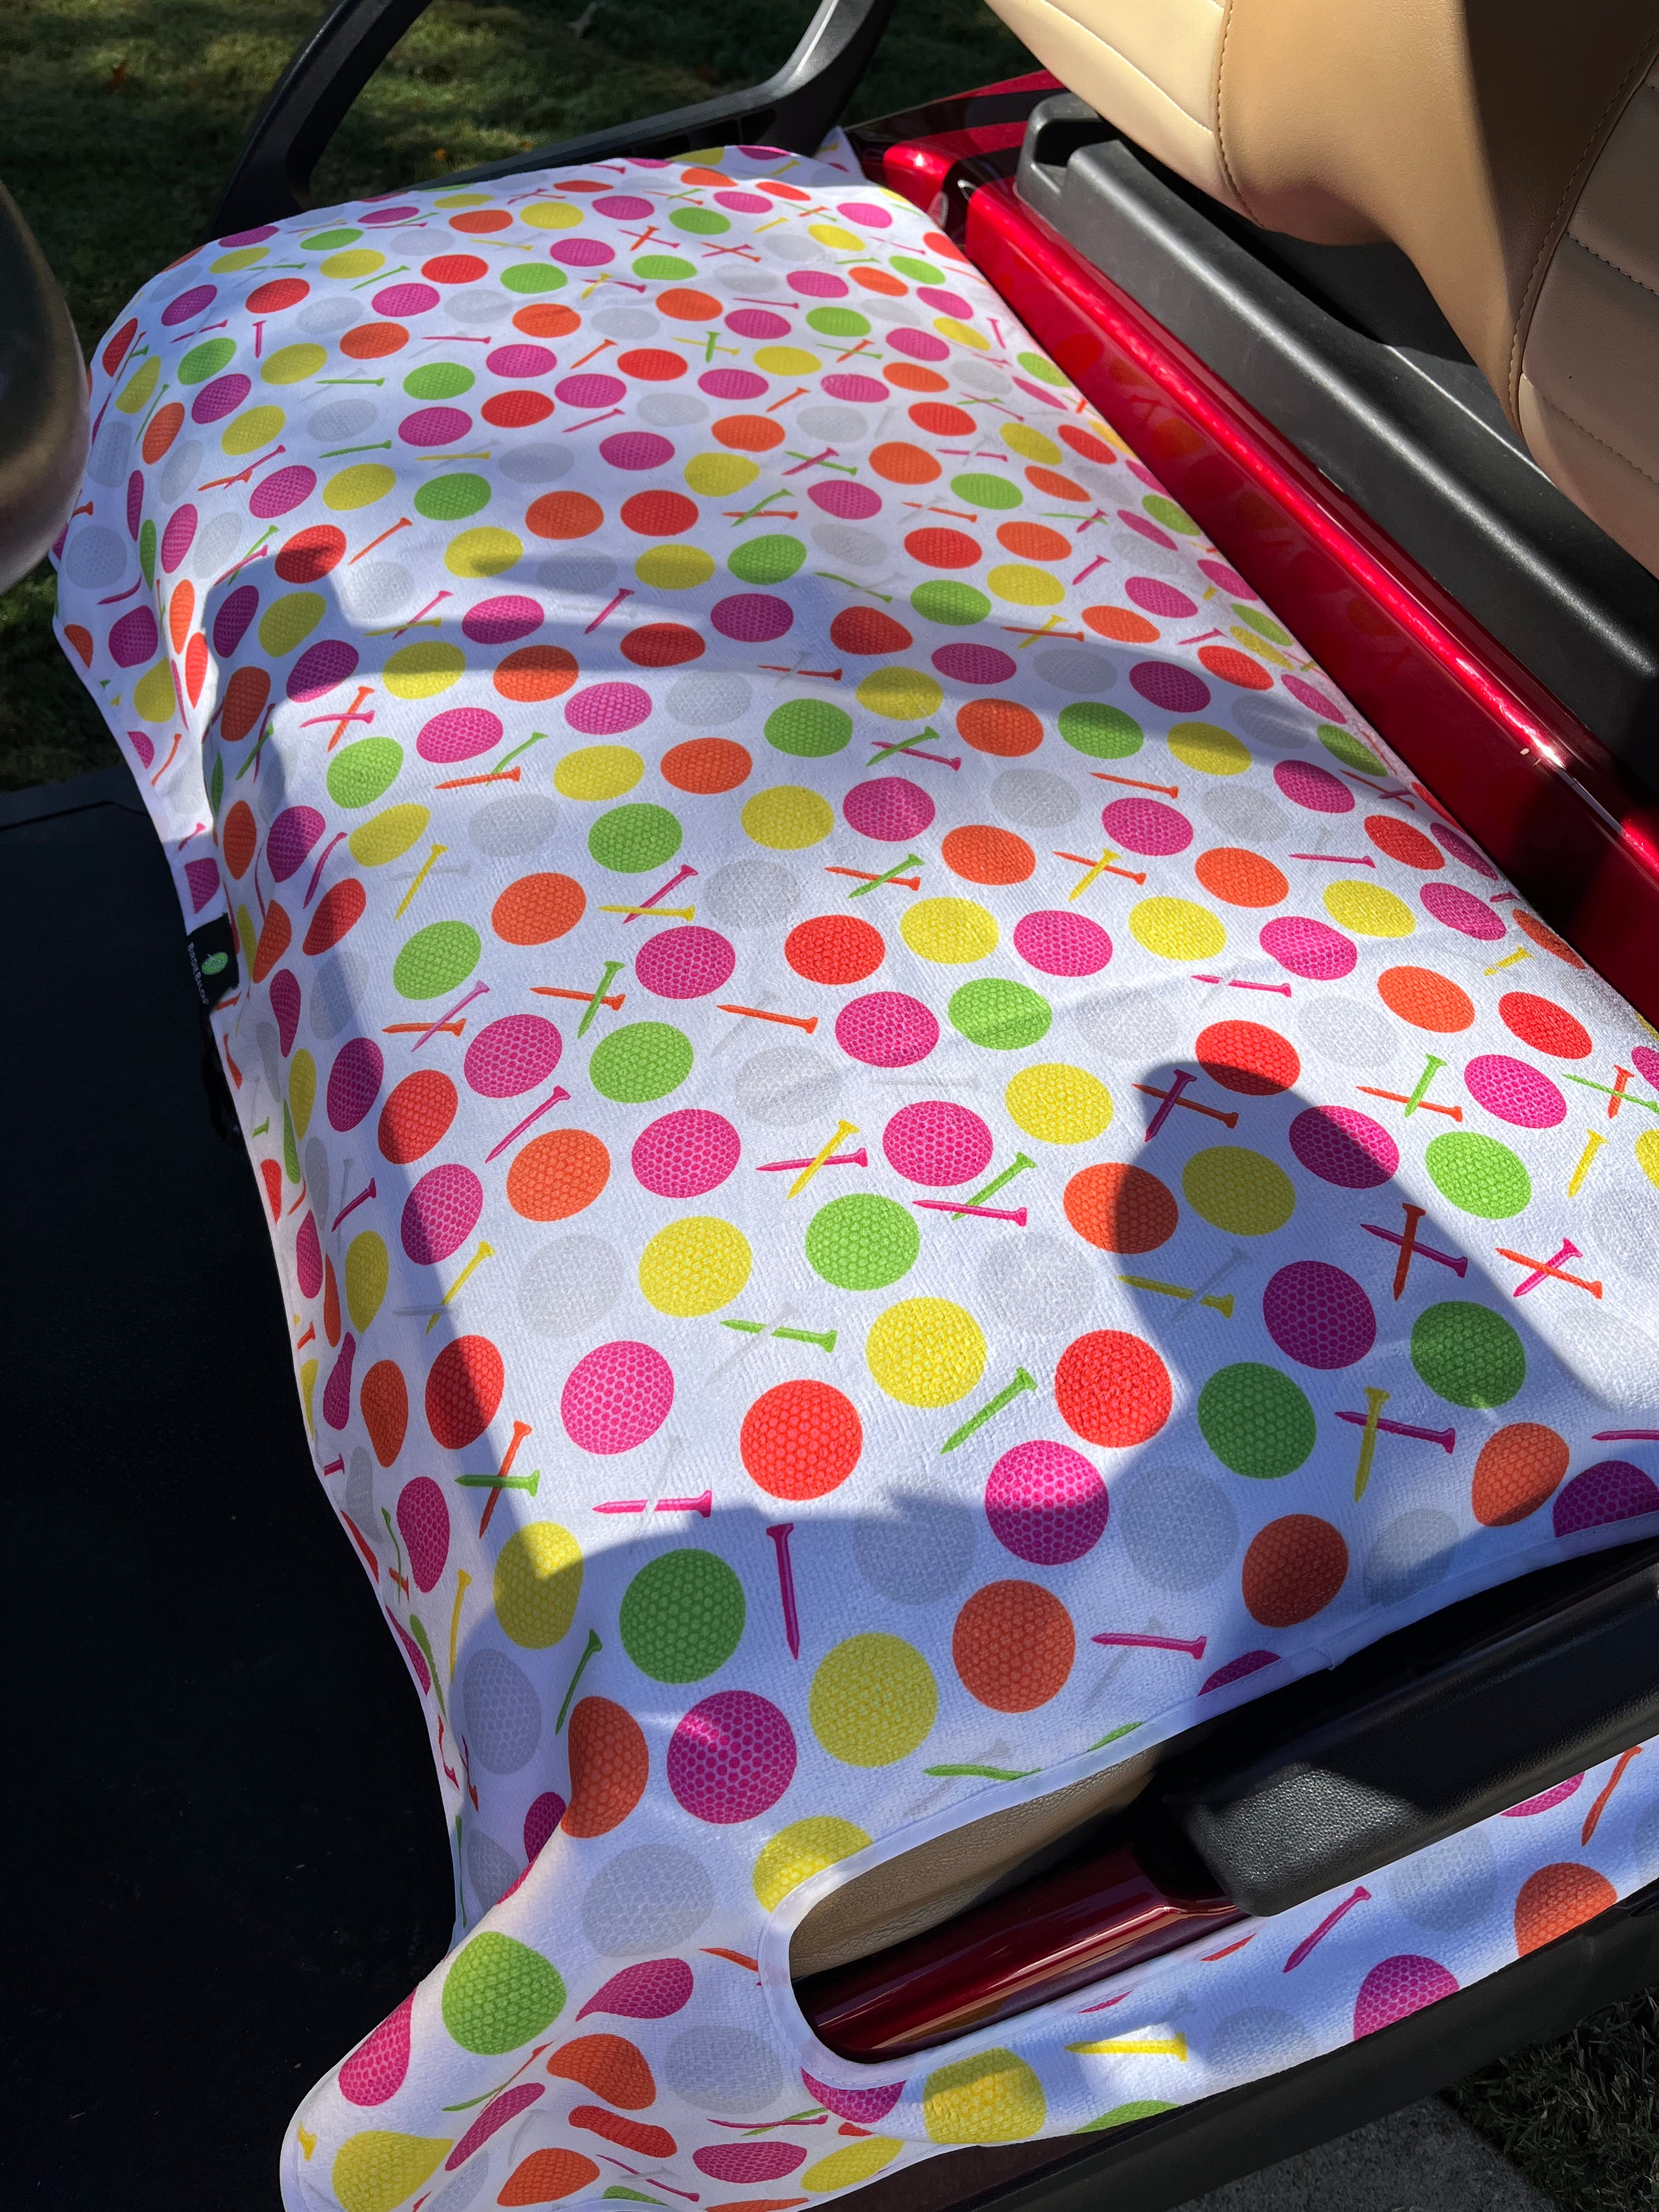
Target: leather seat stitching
{"x": 1651, "y": 289}
{"x": 1623, "y": 92}
{"x": 1219, "y": 132}
{"x": 1585, "y": 430}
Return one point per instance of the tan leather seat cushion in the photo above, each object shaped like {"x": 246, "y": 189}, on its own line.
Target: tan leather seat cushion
{"x": 1587, "y": 396}
{"x": 1509, "y": 147}
{"x": 1147, "y": 65}
{"x": 907, "y": 1895}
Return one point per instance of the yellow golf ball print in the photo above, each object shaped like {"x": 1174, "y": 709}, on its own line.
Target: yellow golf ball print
{"x": 360, "y": 485}
{"x": 949, "y": 930}
{"x": 598, "y": 772}
{"x": 1059, "y": 1104}
{"x": 423, "y": 669}
{"x": 787, "y": 818}
{"x": 873, "y": 1700}
{"x": 387, "y": 837}
{"x": 538, "y": 1580}
{"x": 1208, "y": 750}
{"x": 695, "y": 1266}
{"x": 1177, "y": 929}
{"x": 901, "y": 695}
{"x": 367, "y": 1270}
{"x": 674, "y": 568}
{"x": 378, "y": 2169}
{"x": 925, "y": 1351}
{"x": 717, "y": 475}
{"x": 993, "y": 2097}
{"x": 854, "y": 2162}
{"x": 1243, "y": 1192}
{"x": 800, "y": 1851}
{"x": 1369, "y": 910}
{"x": 486, "y": 551}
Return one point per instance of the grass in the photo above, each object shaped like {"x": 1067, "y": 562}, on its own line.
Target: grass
{"x": 1579, "y": 2117}
{"x": 120, "y": 120}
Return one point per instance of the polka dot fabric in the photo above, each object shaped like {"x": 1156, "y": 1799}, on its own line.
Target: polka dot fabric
{"x": 899, "y": 1151}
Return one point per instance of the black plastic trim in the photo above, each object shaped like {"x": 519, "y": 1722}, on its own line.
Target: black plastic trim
{"x": 797, "y": 107}
{"x": 1345, "y": 352}
{"x": 1478, "y": 1707}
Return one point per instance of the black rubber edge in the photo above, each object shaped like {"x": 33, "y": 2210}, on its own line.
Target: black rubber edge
{"x": 1408, "y": 429}
{"x": 1478, "y": 1707}
{"x": 103, "y": 786}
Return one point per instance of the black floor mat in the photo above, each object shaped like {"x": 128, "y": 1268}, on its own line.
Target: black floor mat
{"x": 227, "y": 1853}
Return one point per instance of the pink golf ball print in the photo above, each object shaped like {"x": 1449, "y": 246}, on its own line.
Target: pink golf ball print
{"x": 423, "y": 1523}
{"x": 1046, "y": 1503}
{"x": 615, "y": 1397}
{"x": 513, "y": 1055}
{"x": 731, "y": 1758}
{"x": 843, "y": 1043}
{"x": 686, "y": 1154}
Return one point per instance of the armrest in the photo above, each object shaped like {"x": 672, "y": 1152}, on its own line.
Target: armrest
{"x": 43, "y": 400}
{"x": 1478, "y": 1708}
{"x": 796, "y": 108}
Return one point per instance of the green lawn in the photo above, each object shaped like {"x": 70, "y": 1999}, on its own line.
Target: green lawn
{"x": 119, "y": 120}
{"x": 1580, "y": 2117}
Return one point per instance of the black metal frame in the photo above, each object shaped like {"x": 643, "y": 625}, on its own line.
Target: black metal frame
{"x": 797, "y": 107}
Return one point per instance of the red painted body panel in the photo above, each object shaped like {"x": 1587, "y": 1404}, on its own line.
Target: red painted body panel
{"x": 1500, "y": 754}
{"x": 919, "y": 168}
{"x": 1494, "y": 749}
{"x": 1028, "y": 1948}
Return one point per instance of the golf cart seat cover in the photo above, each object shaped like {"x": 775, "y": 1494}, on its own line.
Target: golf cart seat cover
{"x": 904, "y": 1161}
{"x": 1511, "y": 152}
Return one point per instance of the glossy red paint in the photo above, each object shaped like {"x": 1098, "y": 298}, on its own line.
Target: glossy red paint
{"x": 978, "y": 133}
{"x": 1098, "y": 1914}
{"x": 1494, "y": 751}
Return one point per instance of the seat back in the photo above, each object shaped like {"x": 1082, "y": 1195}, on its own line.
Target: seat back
{"x": 1512, "y": 160}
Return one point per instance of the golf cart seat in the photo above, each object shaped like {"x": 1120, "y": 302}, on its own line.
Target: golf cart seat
{"x": 745, "y": 1526}
{"x": 1513, "y": 161}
